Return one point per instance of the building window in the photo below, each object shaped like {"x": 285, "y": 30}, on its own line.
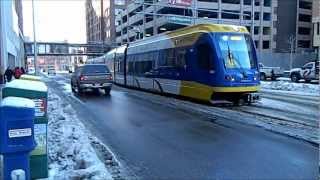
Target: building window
{"x": 247, "y": 15}
{"x": 256, "y": 30}
{"x": 257, "y": 2}
{"x": 256, "y": 15}
{"x": 266, "y": 44}
{"x": 231, "y": 1}
{"x": 266, "y": 30}
{"x": 305, "y": 5}
{"x": 267, "y": 3}
{"x": 304, "y": 18}
{"x": 266, "y": 16}
{"x": 304, "y": 31}
{"x": 208, "y": 0}
{"x": 230, "y": 15}
{"x": 247, "y": 2}
{"x": 256, "y": 43}
{"x": 318, "y": 29}
{"x": 303, "y": 44}
{"x": 207, "y": 14}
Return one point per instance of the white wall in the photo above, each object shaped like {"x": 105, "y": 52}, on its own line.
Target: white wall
{"x": 11, "y": 38}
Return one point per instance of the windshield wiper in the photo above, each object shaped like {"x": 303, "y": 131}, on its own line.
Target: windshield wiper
{"x": 233, "y": 58}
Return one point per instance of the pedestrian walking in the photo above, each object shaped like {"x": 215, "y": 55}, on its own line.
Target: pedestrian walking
{"x": 8, "y": 74}
{"x": 22, "y": 70}
{"x": 17, "y": 73}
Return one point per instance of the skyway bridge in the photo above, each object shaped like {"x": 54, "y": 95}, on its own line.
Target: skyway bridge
{"x": 66, "y": 49}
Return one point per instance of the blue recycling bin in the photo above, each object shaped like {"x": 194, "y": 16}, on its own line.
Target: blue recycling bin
{"x": 16, "y": 137}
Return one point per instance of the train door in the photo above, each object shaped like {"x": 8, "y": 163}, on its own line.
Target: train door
{"x": 203, "y": 63}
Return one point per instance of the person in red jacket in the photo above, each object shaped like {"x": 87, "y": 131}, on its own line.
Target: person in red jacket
{"x": 17, "y": 72}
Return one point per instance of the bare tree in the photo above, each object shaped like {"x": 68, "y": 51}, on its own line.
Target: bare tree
{"x": 292, "y": 42}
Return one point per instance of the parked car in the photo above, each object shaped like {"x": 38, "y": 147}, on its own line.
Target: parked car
{"x": 308, "y": 72}
{"x": 91, "y": 76}
{"x": 51, "y": 70}
{"x": 270, "y": 72}
{"x": 31, "y": 70}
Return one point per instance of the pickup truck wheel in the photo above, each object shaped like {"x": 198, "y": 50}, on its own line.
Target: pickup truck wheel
{"x": 72, "y": 88}
{"x": 273, "y": 78}
{"x": 295, "y": 78}
{"x": 307, "y": 80}
{"x": 107, "y": 91}
{"x": 263, "y": 77}
{"x": 80, "y": 90}
{"x": 96, "y": 91}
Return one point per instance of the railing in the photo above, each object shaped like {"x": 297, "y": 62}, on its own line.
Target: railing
{"x": 66, "y": 49}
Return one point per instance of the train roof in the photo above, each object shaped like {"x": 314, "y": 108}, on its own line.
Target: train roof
{"x": 195, "y": 29}
{"x": 209, "y": 28}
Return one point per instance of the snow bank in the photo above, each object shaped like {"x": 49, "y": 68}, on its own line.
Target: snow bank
{"x": 27, "y": 85}
{"x": 17, "y": 102}
{"x": 70, "y": 152}
{"x": 30, "y": 77}
{"x": 297, "y": 88}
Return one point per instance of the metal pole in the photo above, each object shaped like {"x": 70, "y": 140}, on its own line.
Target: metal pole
{"x": 195, "y": 11}
{"x": 252, "y": 18}
{"x": 144, "y": 20}
{"x": 2, "y": 68}
{"x": 34, "y": 41}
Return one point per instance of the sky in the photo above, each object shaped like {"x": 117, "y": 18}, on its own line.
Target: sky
{"x": 56, "y": 20}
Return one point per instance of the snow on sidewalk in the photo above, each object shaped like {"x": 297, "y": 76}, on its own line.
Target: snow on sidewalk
{"x": 292, "y": 88}
{"x": 71, "y": 155}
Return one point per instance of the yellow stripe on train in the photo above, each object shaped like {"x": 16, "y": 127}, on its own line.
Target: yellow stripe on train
{"x": 189, "y": 35}
{"x": 205, "y": 92}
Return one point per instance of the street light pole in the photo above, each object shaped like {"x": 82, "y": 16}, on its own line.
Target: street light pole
{"x": 34, "y": 41}
{"x": 252, "y": 18}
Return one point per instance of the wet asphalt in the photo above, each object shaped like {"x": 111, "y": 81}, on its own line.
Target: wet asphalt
{"x": 156, "y": 142}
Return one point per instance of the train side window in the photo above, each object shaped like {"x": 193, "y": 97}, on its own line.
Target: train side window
{"x": 161, "y": 58}
{"x": 204, "y": 56}
{"x": 171, "y": 58}
{"x": 181, "y": 57}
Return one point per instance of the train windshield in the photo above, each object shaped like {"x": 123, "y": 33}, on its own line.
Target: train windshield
{"x": 237, "y": 51}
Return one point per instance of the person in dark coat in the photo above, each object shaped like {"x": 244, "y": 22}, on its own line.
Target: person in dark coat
{"x": 17, "y": 73}
{"x": 22, "y": 70}
{"x": 8, "y": 74}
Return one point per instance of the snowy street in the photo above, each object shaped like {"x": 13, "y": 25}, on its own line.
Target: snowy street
{"x": 154, "y": 136}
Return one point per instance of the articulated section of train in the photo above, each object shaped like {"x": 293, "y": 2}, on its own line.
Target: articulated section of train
{"x": 208, "y": 62}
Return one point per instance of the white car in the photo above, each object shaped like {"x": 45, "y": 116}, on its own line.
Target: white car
{"x": 51, "y": 71}
{"x": 308, "y": 72}
{"x": 269, "y": 72}
{"x": 31, "y": 70}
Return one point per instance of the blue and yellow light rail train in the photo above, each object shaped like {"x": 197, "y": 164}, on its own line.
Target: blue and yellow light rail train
{"x": 205, "y": 62}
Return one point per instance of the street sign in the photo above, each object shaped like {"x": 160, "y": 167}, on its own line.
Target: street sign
{"x": 179, "y": 20}
{"x": 186, "y": 3}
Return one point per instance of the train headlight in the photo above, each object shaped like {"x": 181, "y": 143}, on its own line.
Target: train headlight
{"x": 229, "y": 78}
{"x": 256, "y": 77}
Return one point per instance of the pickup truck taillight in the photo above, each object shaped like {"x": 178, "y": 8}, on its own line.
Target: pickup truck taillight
{"x": 109, "y": 77}
{"x": 83, "y": 78}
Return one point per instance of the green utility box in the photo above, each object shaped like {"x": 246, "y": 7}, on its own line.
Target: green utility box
{"x": 38, "y": 92}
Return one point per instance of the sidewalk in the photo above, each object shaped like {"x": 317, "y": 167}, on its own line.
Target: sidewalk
{"x": 1, "y": 86}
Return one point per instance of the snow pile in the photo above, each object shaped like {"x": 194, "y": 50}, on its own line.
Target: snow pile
{"x": 70, "y": 152}
{"x": 301, "y": 88}
{"x": 27, "y": 85}
{"x": 17, "y": 102}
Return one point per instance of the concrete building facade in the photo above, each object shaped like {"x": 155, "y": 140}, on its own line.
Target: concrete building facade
{"x": 11, "y": 36}
{"x": 316, "y": 26}
{"x": 273, "y": 26}
{"x": 294, "y": 26}
{"x": 100, "y": 20}
{"x": 141, "y": 18}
